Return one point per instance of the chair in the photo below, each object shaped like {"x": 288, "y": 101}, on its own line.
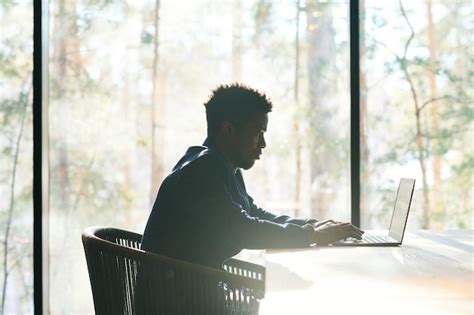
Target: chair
{"x": 128, "y": 280}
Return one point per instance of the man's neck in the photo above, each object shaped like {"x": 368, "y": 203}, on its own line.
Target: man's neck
{"x": 220, "y": 146}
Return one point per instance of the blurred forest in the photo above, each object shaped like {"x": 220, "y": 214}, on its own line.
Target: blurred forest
{"x": 128, "y": 80}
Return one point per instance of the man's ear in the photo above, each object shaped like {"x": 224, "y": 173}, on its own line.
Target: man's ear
{"x": 227, "y": 128}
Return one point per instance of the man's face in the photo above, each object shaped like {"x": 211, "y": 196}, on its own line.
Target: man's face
{"x": 249, "y": 140}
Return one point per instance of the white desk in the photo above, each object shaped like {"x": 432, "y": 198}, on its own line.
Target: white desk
{"x": 431, "y": 273}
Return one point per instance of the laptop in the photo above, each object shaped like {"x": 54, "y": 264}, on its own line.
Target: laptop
{"x": 394, "y": 237}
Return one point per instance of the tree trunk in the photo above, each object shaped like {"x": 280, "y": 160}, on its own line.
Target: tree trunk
{"x": 237, "y": 41}
{"x": 261, "y": 17}
{"x": 296, "y": 125}
{"x": 463, "y": 63}
{"x": 129, "y": 121}
{"x": 419, "y": 136}
{"x": 320, "y": 49}
{"x": 157, "y": 121}
{"x": 437, "y": 192}
{"x": 421, "y": 159}
{"x": 66, "y": 59}
{"x": 23, "y": 102}
{"x": 66, "y": 52}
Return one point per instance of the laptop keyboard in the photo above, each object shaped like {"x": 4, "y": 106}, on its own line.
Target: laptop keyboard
{"x": 370, "y": 238}
{"x": 375, "y": 239}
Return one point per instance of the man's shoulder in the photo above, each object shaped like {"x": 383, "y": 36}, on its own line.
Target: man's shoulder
{"x": 201, "y": 157}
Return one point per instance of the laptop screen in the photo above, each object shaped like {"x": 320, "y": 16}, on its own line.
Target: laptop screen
{"x": 402, "y": 206}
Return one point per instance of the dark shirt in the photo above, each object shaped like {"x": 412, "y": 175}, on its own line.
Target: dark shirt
{"x": 203, "y": 214}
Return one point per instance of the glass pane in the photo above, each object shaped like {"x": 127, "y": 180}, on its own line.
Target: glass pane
{"x": 122, "y": 113}
{"x": 416, "y": 111}
{"x": 308, "y": 138}
{"x": 16, "y": 146}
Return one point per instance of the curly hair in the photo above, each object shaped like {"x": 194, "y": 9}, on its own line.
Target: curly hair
{"x": 235, "y": 102}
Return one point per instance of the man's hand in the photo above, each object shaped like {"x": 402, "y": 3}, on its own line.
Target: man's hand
{"x": 317, "y": 224}
{"x": 327, "y": 232}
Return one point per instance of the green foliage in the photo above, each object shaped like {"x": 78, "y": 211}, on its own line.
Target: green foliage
{"x": 146, "y": 37}
{"x": 390, "y": 66}
{"x": 466, "y": 166}
{"x": 454, "y": 98}
{"x": 262, "y": 19}
{"x": 263, "y": 12}
{"x": 421, "y": 61}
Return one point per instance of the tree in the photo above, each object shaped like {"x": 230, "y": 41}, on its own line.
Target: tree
{"x": 157, "y": 121}
{"x": 23, "y": 102}
{"x": 296, "y": 124}
{"x": 432, "y": 137}
{"x": 16, "y": 158}
{"x": 437, "y": 190}
{"x": 66, "y": 62}
{"x": 320, "y": 49}
{"x": 237, "y": 41}
{"x": 261, "y": 18}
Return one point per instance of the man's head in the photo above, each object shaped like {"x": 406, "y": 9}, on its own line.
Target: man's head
{"x": 237, "y": 120}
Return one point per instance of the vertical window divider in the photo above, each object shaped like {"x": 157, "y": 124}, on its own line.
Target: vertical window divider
{"x": 355, "y": 113}
{"x": 40, "y": 158}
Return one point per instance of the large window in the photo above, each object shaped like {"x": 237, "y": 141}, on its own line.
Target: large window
{"x": 127, "y": 82}
{"x": 127, "y": 85}
{"x": 416, "y": 110}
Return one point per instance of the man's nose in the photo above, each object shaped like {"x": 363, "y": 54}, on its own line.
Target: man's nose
{"x": 262, "y": 143}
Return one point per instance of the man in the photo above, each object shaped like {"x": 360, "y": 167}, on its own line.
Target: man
{"x": 203, "y": 213}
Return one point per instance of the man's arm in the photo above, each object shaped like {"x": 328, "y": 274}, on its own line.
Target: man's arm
{"x": 266, "y": 215}
{"x": 225, "y": 219}
{"x": 322, "y": 233}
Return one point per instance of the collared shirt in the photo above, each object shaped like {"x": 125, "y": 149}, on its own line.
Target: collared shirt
{"x": 203, "y": 214}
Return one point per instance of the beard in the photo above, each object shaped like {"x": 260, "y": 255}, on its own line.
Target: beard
{"x": 246, "y": 164}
